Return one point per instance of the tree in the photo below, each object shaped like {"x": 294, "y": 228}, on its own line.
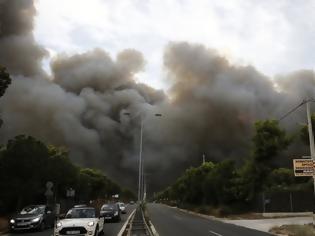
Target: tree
{"x": 5, "y": 80}
{"x": 26, "y": 164}
{"x": 189, "y": 187}
{"x": 218, "y": 184}
{"x": 269, "y": 140}
{"x": 94, "y": 184}
{"x": 57, "y": 165}
{"x": 22, "y": 166}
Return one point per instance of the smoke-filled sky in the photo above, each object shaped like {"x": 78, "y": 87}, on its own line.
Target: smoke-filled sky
{"x": 274, "y": 36}
{"x": 79, "y": 66}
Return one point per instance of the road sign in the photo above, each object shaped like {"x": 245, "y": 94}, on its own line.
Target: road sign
{"x": 49, "y": 192}
{"x": 70, "y": 192}
{"x": 303, "y": 167}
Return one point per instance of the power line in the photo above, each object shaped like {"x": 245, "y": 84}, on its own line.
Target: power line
{"x": 293, "y": 110}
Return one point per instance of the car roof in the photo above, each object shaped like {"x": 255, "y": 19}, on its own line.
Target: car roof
{"x": 83, "y": 208}
{"x": 110, "y": 204}
{"x": 80, "y": 205}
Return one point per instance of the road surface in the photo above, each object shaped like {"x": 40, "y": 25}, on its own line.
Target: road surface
{"x": 171, "y": 221}
{"x": 111, "y": 229}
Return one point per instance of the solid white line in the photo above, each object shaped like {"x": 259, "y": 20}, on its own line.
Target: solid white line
{"x": 155, "y": 233}
{"x": 126, "y": 223}
{"x": 215, "y": 233}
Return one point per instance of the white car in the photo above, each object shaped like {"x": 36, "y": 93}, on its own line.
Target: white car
{"x": 80, "y": 221}
{"x": 122, "y": 207}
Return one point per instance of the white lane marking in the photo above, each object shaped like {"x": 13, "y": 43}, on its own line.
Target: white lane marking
{"x": 126, "y": 223}
{"x": 215, "y": 233}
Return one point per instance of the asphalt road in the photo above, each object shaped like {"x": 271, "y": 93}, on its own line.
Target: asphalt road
{"x": 111, "y": 228}
{"x": 171, "y": 221}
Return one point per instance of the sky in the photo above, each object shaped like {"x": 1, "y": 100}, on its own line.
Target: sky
{"x": 276, "y": 37}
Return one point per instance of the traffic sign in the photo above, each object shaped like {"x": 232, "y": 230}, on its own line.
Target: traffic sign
{"x": 49, "y": 186}
{"x": 303, "y": 167}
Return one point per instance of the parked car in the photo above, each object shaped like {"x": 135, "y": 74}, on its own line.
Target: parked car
{"x": 36, "y": 217}
{"x": 80, "y": 221}
{"x": 131, "y": 202}
{"x": 122, "y": 207}
{"x": 110, "y": 212}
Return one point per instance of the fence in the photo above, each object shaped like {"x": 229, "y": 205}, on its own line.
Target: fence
{"x": 285, "y": 202}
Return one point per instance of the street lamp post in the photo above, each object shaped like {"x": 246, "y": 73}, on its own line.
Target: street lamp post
{"x": 140, "y": 161}
{"x": 312, "y": 147}
{"x": 141, "y": 166}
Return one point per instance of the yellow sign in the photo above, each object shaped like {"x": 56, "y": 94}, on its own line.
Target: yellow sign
{"x": 303, "y": 167}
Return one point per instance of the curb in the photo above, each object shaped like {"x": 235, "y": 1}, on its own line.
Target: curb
{"x": 154, "y": 232}
{"x": 126, "y": 223}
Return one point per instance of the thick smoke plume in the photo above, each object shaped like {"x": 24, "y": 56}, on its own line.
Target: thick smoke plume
{"x": 18, "y": 49}
{"x": 209, "y": 109}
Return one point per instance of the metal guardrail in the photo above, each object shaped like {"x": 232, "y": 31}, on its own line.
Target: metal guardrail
{"x": 139, "y": 226}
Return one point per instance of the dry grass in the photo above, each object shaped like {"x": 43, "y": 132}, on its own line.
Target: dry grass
{"x": 294, "y": 230}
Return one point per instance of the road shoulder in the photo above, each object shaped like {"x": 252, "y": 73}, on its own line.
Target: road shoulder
{"x": 263, "y": 225}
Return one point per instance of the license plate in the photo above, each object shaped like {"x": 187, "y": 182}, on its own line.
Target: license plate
{"x": 73, "y": 232}
{"x": 22, "y": 224}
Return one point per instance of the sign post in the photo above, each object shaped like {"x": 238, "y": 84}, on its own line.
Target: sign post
{"x": 49, "y": 193}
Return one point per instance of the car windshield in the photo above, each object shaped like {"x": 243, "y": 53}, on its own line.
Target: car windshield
{"x": 33, "y": 210}
{"x": 108, "y": 207}
{"x": 81, "y": 213}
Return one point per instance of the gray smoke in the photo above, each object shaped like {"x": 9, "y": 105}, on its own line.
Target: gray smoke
{"x": 18, "y": 49}
{"x": 210, "y": 108}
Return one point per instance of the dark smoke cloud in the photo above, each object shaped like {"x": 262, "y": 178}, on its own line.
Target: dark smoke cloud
{"x": 210, "y": 108}
{"x": 95, "y": 69}
{"x": 18, "y": 49}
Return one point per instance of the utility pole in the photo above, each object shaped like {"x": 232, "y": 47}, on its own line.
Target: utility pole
{"x": 140, "y": 162}
{"x": 144, "y": 190}
{"x": 141, "y": 166}
{"x": 312, "y": 148}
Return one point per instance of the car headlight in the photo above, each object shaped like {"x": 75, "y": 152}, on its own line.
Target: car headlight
{"x": 58, "y": 225}
{"x": 12, "y": 221}
{"x": 91, "y": 223}
{"x": 37, "y": 219}
{"x": 116, "y": 213}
